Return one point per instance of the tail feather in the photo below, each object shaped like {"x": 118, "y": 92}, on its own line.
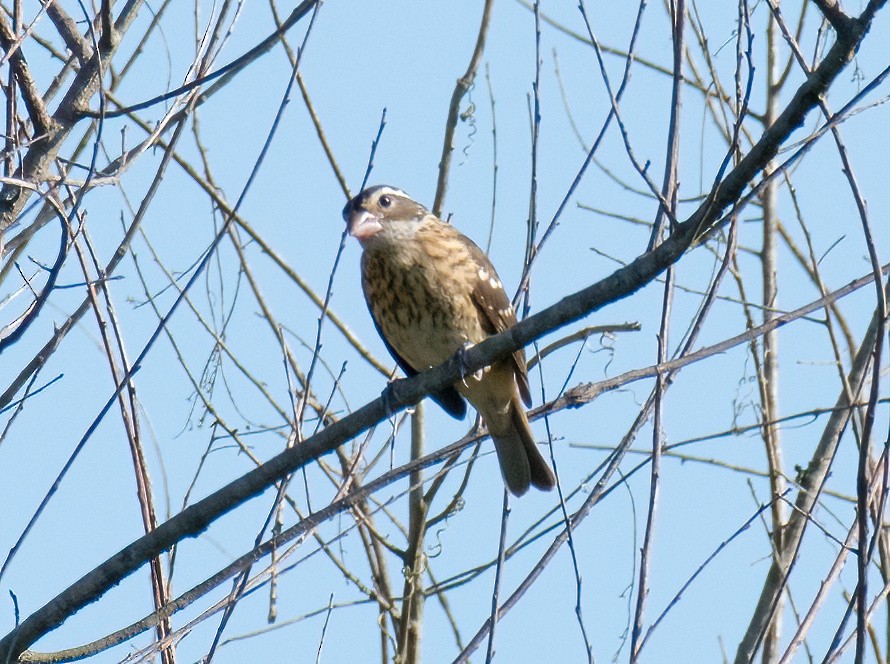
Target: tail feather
{"x": 522, "y": 465}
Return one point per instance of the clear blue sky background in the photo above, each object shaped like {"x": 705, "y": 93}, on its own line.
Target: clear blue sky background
{"x": 405, "y": 57}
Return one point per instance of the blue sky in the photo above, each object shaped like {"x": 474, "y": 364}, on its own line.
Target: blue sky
{"x": 360, "y": 59}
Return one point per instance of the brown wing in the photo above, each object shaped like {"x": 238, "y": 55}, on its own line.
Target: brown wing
{"x": 497, "y": 311}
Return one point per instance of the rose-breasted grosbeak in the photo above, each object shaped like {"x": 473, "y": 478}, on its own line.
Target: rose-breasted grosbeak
{"x": 431, "y": 291}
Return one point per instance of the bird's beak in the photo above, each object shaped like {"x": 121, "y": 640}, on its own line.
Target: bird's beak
{"x": 361, "y": 224}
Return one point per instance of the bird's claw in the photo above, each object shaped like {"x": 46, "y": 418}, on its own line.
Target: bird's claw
{"x": 390, "y": 397}
{"x": 462, "y": 363}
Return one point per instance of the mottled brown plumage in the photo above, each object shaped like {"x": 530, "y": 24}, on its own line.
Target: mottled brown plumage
{"x": 431, "y": 290}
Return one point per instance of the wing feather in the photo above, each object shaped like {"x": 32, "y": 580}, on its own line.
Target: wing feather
{"x": 497, "y": 313}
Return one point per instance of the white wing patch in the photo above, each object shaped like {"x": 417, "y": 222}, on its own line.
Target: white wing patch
{"x": 492, "y": 280}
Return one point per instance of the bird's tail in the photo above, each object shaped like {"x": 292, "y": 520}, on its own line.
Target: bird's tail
{"x": 521, "y": 463}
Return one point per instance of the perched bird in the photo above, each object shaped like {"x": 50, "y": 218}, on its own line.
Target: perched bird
{"x": 431, "y": 291}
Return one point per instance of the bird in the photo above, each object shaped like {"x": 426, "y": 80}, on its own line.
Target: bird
{"x": 432, "y": 292}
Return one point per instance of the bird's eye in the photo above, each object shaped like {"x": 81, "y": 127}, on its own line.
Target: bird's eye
{"x": 385, "y": 201}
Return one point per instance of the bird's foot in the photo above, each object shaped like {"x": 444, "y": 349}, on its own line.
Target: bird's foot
{"x": 390, "y": 396}
{"x": 462, "y": 363}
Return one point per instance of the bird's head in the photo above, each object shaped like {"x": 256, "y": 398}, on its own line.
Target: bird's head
{"x": 382, "y": 211}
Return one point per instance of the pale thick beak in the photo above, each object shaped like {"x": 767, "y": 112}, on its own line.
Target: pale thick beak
{"x": 362, "y": 225}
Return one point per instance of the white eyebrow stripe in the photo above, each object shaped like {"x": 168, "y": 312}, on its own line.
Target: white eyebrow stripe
{"x": 385, "y": 189}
